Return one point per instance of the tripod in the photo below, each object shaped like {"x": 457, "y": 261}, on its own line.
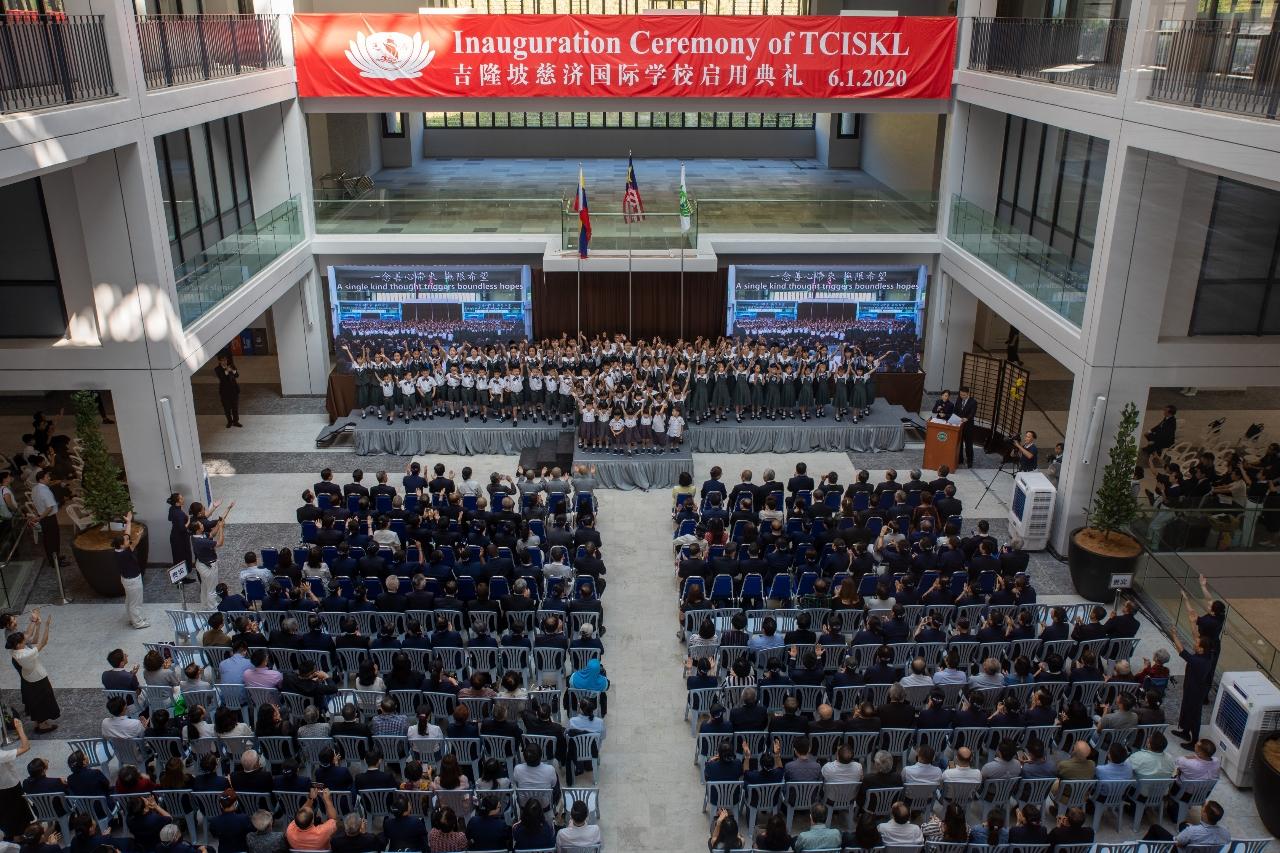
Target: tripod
{"x": 1006, "y": 460}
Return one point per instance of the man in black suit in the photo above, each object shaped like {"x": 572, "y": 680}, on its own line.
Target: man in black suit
{"x": 1162, "y": 436}
{"x": 420, "y": 598}
{"x": 948, "y": 505}
{"x": 375, "y": 776}
{"x": 391, "y": 600}
{"x": 355, "y": 487}
{"x": 966, "y": 411}
{"x": 383, "y": 488}
{"x": 586, "y": 532}
{"x": 326, "y": 486}
{"x": 440, "y": 483}
{"x": 768, "y": 487}
{"x": 308, "y": 681}
{"x": 744, "y": 489}
{"x": 801, "y": 481}
{"x": 497, "y": 565}
{"x": 749, "y": 716}
{"x": 1123, "y": 624}
{"x": 943, "y": 480}
{"x": 251, "y": 777}
{"x": 308, "y": 511}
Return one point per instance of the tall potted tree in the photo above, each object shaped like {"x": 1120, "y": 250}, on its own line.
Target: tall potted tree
{"x": 1103, "y": 548}
{"x": 105, "y": 499}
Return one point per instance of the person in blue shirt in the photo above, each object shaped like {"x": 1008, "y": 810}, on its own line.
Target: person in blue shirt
{"x": 230, "y": 828}
{"x": 330, "y": 772}
{"x": 1115, "y": 770}
{"x": 232, "y": 669}
{"x": 487, "y": 830}
{"x": 228, "y": 600}
{"x": 534, "y": 831}
{"x": 767, "y": 638}
{"x": 403, "y": 831}
{"x": 83, "y": 780}
{"x": 724, "y": 767}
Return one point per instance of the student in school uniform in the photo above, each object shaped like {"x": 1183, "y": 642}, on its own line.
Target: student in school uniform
{"x": 388, "y": 404}
{"x": 515, "y": 394}
{"x": 675, "y": 430}
{"x": 468, "y": 394}
{"x": 453, "y": 391}
{"x": 630, "y": 420}
{"x": 482, "y": 394}
{"x": 407, "y": 395}
{"x": 534, "y": 402}
{"x": 659, "y": 429}
{"x": 587, "y": 429}
{"x": 646, "y": 428}
{"x": 617, "y": 432}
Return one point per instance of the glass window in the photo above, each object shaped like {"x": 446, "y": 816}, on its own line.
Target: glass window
{"x": 1239, "y": 289}
{"x": 30, "y": 287}
{"x": 392, "y": 125}
{"x": 204, "y": 182}
{"x": 850, "y": 125}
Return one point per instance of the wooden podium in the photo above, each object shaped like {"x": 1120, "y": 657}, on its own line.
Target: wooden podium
{"x": 941, "y": 445}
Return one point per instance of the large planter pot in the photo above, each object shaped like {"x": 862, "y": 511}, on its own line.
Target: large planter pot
{"x": 1094, "y": 559}
{"x": 96, "y": 559}
{"x": 1266, "y": 781}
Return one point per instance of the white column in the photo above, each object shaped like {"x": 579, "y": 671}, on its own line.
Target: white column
{"x": 161, "y": 446}
{"x": 953, "y": 312}
{"x": 1083, "y": 459}
{"x": 301, "y": 343}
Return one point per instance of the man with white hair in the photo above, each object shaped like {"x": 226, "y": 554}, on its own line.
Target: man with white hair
{"x": 171, "y": 841}
{"x": 264, "y": 838}
{"x": 251, "y": 777}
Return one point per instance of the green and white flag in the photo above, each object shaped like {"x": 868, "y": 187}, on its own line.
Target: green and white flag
{"x": 686, "y": 212}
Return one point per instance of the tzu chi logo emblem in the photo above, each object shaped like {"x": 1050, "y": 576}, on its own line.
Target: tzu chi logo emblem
{"x": 390, "y": 56}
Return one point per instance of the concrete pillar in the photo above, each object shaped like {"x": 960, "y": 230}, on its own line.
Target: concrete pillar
{"x": 160, "y": 443}
{"x": 953, "y": 312}
{"x": 301, "y": 344}
{"x": 264, "y": 140}
{"x": 1083, "y": 460}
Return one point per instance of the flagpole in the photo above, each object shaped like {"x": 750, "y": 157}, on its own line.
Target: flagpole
{"x": 579, "y": 285}
{"x": 630, "y": 309}
{"x": 682, "y": 233}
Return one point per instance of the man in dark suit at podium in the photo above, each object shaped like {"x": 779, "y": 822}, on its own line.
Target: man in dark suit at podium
{"x": 966, "y": 409}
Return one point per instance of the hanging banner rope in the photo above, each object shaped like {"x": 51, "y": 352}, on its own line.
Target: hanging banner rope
{"x": 623, "y": 56}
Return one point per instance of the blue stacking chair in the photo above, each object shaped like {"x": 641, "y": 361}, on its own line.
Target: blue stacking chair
{"x": 781, "y": 588}
{"x": 862, "y": 501}
{"x": 752, "y": 587}
{"x": 398, "y": 527}
{"x": 317, "y": 587}
{"x": 346, "y": 587}
{"x": 353, "y": 504}
{"x": 538, "y": 528}
{"x": 309, "y": 531}
{"x": 987, "y": 582}
{"x": 867, "y": 586}
{"x": 466, "y": 588}
{"x": 498, "y": 587}
{"x": 807, "y": 580}
{"x": 410, "y": 503}
{"x": 382, "y": 503}
{"x": 556, "y": 503}
{"x": 469, "y": 503}
{"x": 958, "y": 580}
{"x": 956, "y": 520}
{"x": 373, "y": 587}
{"x": 270, "y": 558}
{"x": 886, "y": 499}
{"x": 687, "y": 528}
{"x": 721, "y": 588}
{"x": 322, "y": 501}
{"x": 913, "y": 498}
{"x": 356, "y": 552}
{"x": 328, "y": 554}
{"x": 832, "y": 499}
{"x": 413, "y": 554}
{"x": 255, "y": 590}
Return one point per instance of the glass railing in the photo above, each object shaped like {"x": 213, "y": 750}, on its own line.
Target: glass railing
{"x": 880, "y": 214}
{"x": 382, "y": 211}
{"x": 1231, "y": 66}
{"x": 1083, "y": 53}
{"x": 1160, "y": 580}
{"x": 614, "y": 231}
{"x": 220, "y": 270}
{"x": 1044, "y": 273}
{"x": 1248, "y": 528}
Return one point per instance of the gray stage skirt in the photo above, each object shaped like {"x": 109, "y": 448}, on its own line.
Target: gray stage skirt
{"x": 460, "y": 440}
{"x": 794, "y": 438}
{"x": 637, "y": 472}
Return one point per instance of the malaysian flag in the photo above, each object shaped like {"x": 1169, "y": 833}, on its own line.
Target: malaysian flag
{"x": 632, "y": 204}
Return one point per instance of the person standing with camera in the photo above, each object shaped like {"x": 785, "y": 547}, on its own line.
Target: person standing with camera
{"x": 1026, "y": 454}
{"x": 14, "y": 812}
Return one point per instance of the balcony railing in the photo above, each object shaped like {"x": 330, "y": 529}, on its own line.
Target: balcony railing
{"x": 610, "y": 231}
{"x": 382, "y": 211}
{"x": 1083, "y": 53}
{"x": 220, "y": 270}
{"x": 627, "y": 7}
{"x": 1228, "y": 66}
{"x": 1043, "y": 272}
{"x": 181, "y": 49}
{"x": 52, "y": 60}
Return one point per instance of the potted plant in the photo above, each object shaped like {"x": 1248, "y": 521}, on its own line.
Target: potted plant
{"x": 105, "y": 499}
{"x": 1103, "y": 547}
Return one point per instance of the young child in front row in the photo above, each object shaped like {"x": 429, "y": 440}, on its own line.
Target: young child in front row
{"x": 617, "y": 431}
{"x": 675, "y": 430}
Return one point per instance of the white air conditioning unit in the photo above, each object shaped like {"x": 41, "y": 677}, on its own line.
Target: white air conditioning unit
{"x": 1031, "y": 510}
{"x": 1247, "y": 708}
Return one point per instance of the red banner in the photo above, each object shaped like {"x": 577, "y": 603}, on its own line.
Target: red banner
{"x": 622, "y": 56}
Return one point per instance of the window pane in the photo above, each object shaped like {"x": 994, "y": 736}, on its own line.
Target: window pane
{"x": 243, "y": 187}
{"x": 433, "y": 119}
{"x": 200, "y": 164}
{"x": 1245, "y": 223}
{"x": 1025, "y": 198}
{"x": 222, "y": 166}
{"x": 184, "y": 193}
{"x": 1228, "y": 307}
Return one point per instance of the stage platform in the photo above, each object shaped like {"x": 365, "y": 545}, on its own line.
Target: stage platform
{"x": 642, "y": 471}
{"x": 883, "y": 430}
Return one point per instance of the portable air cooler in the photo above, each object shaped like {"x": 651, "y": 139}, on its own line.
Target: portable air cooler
{"x": 1247, "y": 707}
{"x": 1031, "y": 510}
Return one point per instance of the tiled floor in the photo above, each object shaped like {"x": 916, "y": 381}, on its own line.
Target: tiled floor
{"x": 651, "y": 794}
{"x": 525, "y": 196}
